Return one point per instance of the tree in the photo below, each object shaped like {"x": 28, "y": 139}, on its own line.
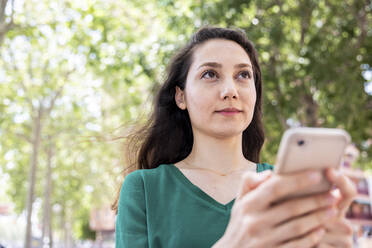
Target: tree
{"x": 6, "y": 22}
{"x": 76, "y": 74}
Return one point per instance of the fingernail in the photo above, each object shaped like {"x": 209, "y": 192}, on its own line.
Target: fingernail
{"x": 315, "y": 176}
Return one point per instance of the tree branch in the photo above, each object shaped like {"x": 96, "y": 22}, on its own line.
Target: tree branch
{"x": 2, "y": 10}
{"x": 23, "y": 136}
{"x": 5, "y": 27}
{"x": 278, "y": 91}
{"x": 21, "y": 84}
{"x": 53, "y": 100}
{"x": 362, "y": 24}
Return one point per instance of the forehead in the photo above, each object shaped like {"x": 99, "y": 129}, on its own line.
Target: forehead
{"x": 220, "y": 50}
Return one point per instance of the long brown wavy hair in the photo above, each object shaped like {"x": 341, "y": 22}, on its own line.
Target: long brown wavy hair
{"x": 167, "y": 136}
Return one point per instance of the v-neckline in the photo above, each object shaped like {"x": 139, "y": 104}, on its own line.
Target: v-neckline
{"x": 201, "y": 193}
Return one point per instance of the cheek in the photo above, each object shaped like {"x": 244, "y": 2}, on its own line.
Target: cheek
{"x": 200, "y": 103}
{"x": 253, "y": 99}
{"x": 249, "y": 97}
{"x": 253, "y": 92}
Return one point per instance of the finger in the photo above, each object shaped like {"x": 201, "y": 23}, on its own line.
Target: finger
{"x": 337, "y": 240}
{"x": 302, "y": 225}
{"x": 279, "y": 186}
{"x": 339, "y": 225}
{"x": 309, "y": 240}
{"x": 298, "y": 207}
{"x": 262, "y": 176}
{"x": 323, "y": 245}
{"x": 346, "y": 187}
{"x": 250, "y": 180}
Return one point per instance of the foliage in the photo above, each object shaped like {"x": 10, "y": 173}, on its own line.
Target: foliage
{"x": 109, "y": 57}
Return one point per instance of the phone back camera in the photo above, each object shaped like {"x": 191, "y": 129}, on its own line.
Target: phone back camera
{"x": 301, "y": 142}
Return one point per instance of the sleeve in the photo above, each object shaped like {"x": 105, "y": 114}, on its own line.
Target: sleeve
{"x": 131, "y": 225}
{"x": 267, "y": 166}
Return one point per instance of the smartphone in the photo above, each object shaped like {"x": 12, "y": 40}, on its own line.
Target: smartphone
{"x": 306, "y": 148}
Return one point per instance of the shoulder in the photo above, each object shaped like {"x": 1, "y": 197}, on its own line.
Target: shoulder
{"x": 264, "y": 166}
{"x": 138, "y": 183}
{"x": 135, "y": 179}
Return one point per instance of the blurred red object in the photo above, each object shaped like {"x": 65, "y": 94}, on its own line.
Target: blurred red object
{"x": 4, "y": 209}
{"x": 102, "y": 219}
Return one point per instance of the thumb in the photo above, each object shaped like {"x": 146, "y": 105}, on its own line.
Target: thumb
{"x": 251, "y": 180}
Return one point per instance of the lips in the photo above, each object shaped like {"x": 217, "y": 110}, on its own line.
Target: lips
{"x": 233, "y": 110}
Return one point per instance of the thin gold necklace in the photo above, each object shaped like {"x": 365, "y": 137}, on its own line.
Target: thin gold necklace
{"x": 219, "y": 173}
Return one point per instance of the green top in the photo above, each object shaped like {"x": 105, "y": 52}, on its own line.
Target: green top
{"x": 160, "y": 207}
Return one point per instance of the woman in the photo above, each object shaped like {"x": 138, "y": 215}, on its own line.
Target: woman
{"x": 197, "y": 184}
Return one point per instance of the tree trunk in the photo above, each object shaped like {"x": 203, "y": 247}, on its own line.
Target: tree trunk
{"x": 46, "y": 227}
{"x": 311, "y": 111}
{"x": 37, "y": 126}
{"x": 66, "y": 226}
{"x": 5, "y": 26}
{"x": 36, "y": 130}
{"x": 63, "y": 220}
{"x": 67, "y": 229}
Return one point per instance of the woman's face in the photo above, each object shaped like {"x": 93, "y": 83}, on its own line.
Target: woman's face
{"x": 220, "y": 77}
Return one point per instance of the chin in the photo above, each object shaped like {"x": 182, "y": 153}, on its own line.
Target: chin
{"x": 226, "y": 133}
{"x": 220, "y": 131}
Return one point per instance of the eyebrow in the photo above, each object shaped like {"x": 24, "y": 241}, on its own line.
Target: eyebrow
{"x": 217, "y": 65}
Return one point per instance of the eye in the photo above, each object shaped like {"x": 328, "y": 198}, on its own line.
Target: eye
{"x": 209, "y": 74}
{"x": 245, "y": 74}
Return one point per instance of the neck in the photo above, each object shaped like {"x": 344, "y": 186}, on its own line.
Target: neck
{"x": 218, "y": 154}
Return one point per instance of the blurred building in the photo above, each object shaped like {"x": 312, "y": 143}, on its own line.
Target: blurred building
{"x": 12, "y": 227}
{"x": 4, "y": 209}
{"x": 360, "y": 211}
{"x": 102, "y": 221}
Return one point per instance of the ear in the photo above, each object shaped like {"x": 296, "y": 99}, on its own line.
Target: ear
{"x": 179, "y": 97}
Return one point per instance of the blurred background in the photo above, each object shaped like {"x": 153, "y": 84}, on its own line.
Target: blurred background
{"x": 76, "y": 75}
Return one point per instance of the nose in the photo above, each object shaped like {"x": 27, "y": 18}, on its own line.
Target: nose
{"x": 229, "y": 90}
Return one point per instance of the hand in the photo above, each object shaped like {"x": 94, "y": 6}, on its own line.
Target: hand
{"x": 345, "y": 188}
{"x": 256, "y": 222}
{"x": 339, "y": 232}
